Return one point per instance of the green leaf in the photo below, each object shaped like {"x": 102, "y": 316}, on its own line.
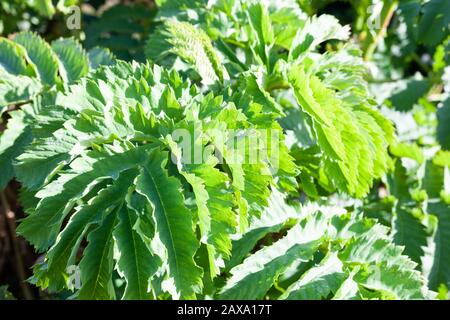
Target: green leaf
{"x": 315, "y": 31}
{"x": 443, "y": 130}
{"x": 44, "y": 7}
{"x": 404, "y": 150}
{"x": 17, "y": 89}
{"x": 136, "y": 262}
{"x": 73, "y": 59}
{"x": 57, "y": 198}
{"x": 408, "y": 92}
{"x": 13, "y": 58}
{"x": 219, "y": 203}
{"x": 63, "y": 253}
{"x": 40, "y": 55}
{"x": 383, "y": 267}
{"x": 41, "y": 160}
{"x": 435, "y": 21}
{"x": 100, "y": 56}
{"x": 433, "y": 180}
{"x": 260, "y": 23}
{"x": 352, "y": 140}
{"x": 410, "y": 233}
{"x": 440, "y": 272}
{"x": 272, "y": 220}
{"x": 173, "y": 223}
{"x": 97, "y": 264}
{"x": 408, "y": 230}
{"x": 264, "y": 267}
{"x": 189, "y": 43}
{"x": 12, "y": 140}
{"x": 318, "y": 282}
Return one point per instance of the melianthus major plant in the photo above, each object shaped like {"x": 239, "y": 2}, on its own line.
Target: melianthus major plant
{"x": 123, "y": 130}
{"x": 134, "y": 172}
{"x": 279, "y": 61}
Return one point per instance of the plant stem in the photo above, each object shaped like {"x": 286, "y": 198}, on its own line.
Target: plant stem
{"x": 276, "y": 286}
{"x": 372, "y": 42}
{"x": 277, "y": 86}
{"x": 11, "y": 221}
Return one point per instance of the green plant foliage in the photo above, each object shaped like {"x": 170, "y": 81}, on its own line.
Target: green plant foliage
{"x": 5, "y": 294}
{"x": 122, "y": 29}
{"x": 191, "y": 44}
{"x": 350, "y": 258}
{"x": 121, "y": 135}
{"x": 24, "y": 15}
{"x": 235, "y": 149}
{"x": 319, "y": 83}
{"x": 30, "y": 68}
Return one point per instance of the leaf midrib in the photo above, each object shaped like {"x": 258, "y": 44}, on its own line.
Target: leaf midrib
{"x": 165, "y": 218}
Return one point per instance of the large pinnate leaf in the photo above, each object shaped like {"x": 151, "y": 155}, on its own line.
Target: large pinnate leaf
{"x": 350, "y": 137}
{"x": 361, "y": 262}
{"x": 97, "y": 264}
{"x": 62, "y": 254}
{"x": 173, "y": 223}
{"x": 330, "y": 88}
{"x": 58, "y": 197}
{"x": 265, "y": 266}
{"x": 123, "y": 117}
{"x": 136, "y": 262}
